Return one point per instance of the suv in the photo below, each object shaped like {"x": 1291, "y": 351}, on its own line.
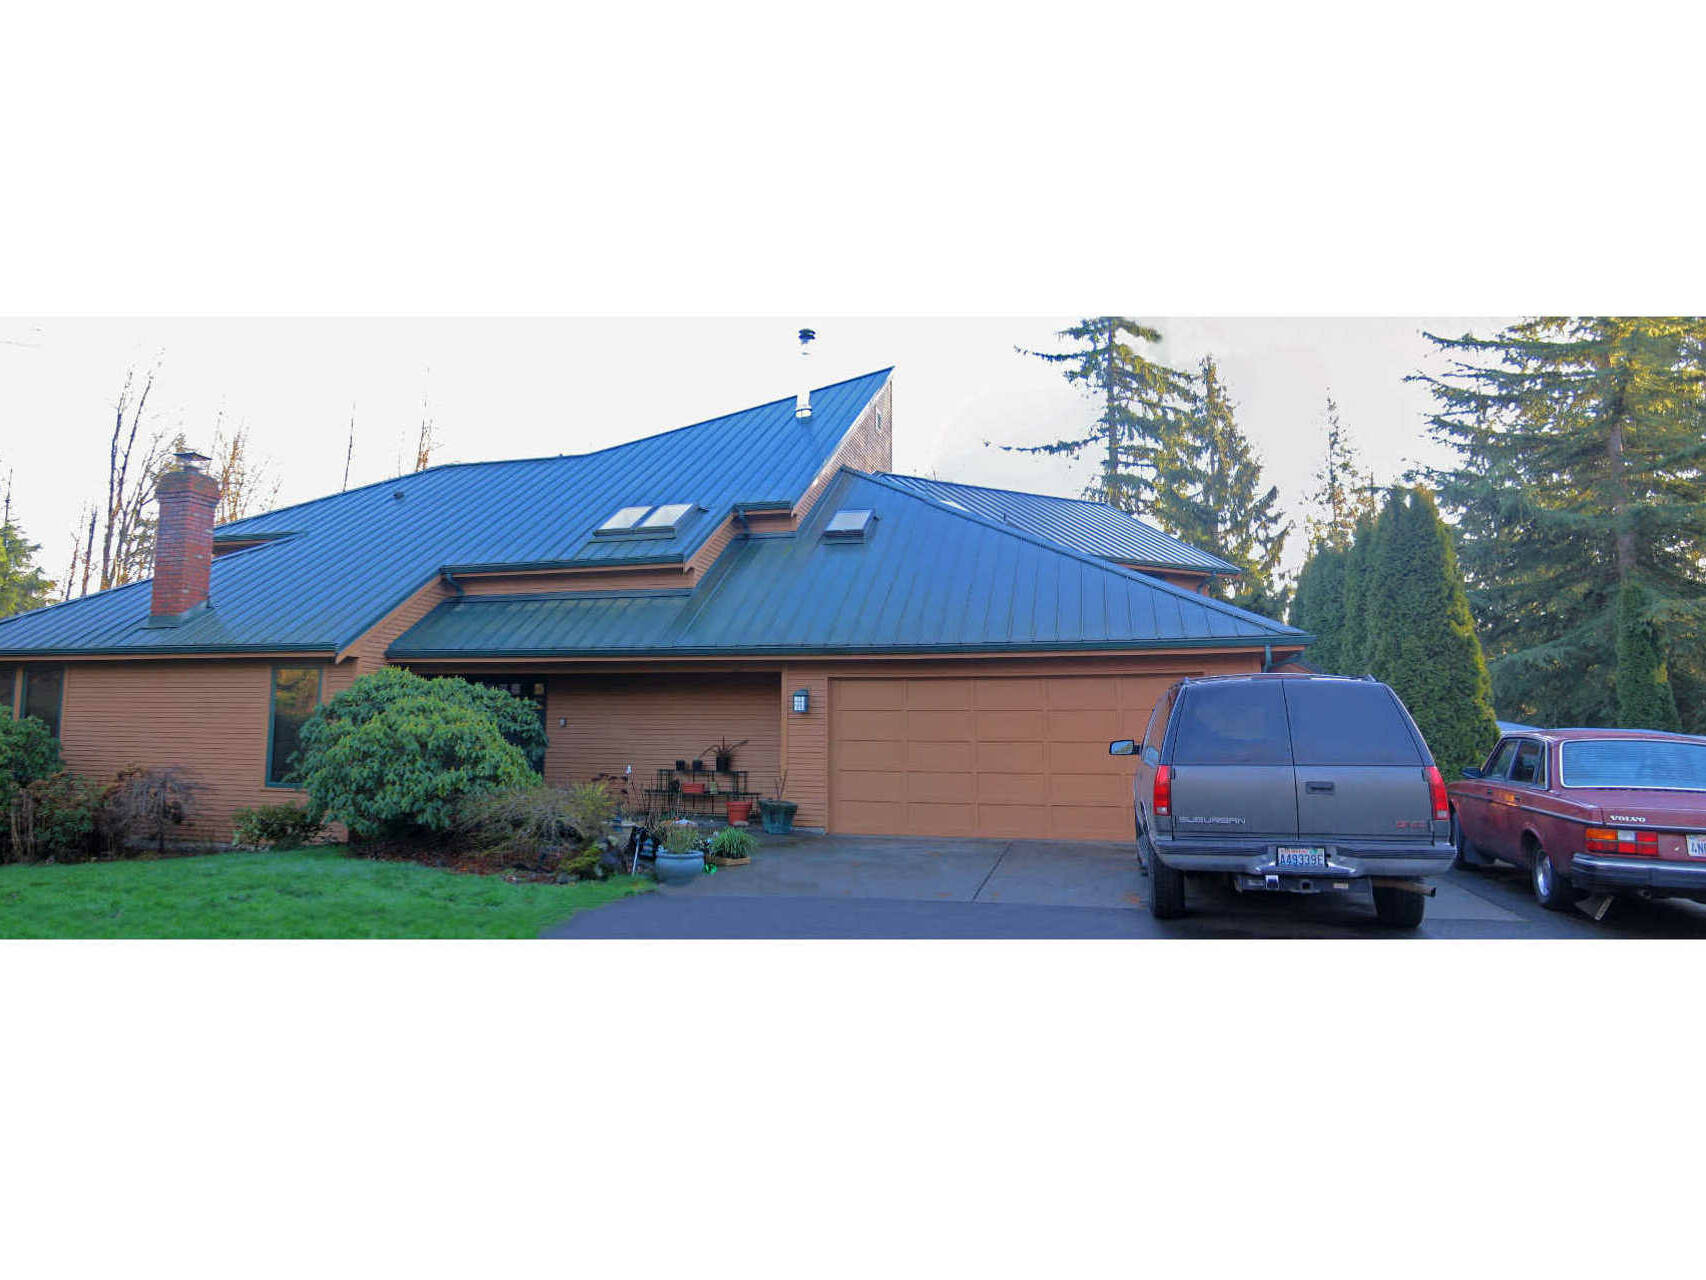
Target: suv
{"x": 1294, "y": 783}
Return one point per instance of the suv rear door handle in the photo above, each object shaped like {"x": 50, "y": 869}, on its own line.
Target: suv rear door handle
{"x": 1318, "y": 788}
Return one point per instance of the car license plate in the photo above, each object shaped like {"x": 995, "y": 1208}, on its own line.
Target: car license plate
{"x": 1302, "y": 859}
{"x": 1697, "y": 846}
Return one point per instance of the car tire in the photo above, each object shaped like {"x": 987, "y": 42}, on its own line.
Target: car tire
{"x": 1468, "y": 857}
{"x": 1166, "y": 889}
{"x": 1399, "y": 908}
{"x": 1552, "y": 888}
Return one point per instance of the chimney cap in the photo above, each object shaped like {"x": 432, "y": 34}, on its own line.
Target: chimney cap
{"x": 190, "y": 460}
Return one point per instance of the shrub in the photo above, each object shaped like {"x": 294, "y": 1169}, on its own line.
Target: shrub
{"x": 276, "y": 826}
{"x": 680, "y": 837}
{"x": 732, "y": 842}
{"x": 147, "y": 805}
{"x": 519, "y": 826}
{"x": 408, "y": 768}
{"x": 54, "y": 817}
{"x": 28, "y": 750}
{"x": 516, "y": 719}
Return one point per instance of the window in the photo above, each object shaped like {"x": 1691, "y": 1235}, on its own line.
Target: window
{"x": 656, "y": 521}
{"x": 1647, "y": 763}
{"x": 1241, "y": 723}
{"x": 848, "y": 526}
{"x": 1530, "y": 764}
{"x": 8, "y": 689}
{"x": 295, "y": 694}
{"x": 626, "y": 518}
{"x": 43, "y": 692}
{"x": 1348, "y": 722}
{"x": 1500, "y": 764}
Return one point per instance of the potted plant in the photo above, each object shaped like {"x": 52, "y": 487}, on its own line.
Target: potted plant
{"x": 739, "y": 812}
{"x": 731, "y": 847}
{"x": 722, "y": 753}
{"x": 777, "y": 813}
{"x": 679, "y": 858}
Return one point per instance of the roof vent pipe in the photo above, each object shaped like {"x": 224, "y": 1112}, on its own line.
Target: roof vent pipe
{"x": 803, "y": 401}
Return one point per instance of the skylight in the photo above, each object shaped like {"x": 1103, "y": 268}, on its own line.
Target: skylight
{"x": 667, "y": 516}
{"x": 626, "y": 518}
{"x": 848, "y": 525}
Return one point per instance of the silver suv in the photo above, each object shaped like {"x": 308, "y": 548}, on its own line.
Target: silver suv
{"x": 1289, "y": 783}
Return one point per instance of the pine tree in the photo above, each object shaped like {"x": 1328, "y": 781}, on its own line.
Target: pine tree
{"x": 22, "y": 585}
{"x": 1209, "y": 493}
{"x": 1141, "y": 403}
{"x": 1318, "y": 606}
{"x": 1580, "y": 496}
{"x": 1419, "y": 635}
{"x": 1344, "y": 490}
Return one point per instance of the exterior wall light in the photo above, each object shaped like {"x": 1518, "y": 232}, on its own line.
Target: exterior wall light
{"x": 802, "y": 701}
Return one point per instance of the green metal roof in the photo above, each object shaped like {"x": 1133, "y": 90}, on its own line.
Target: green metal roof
{"x": 927, "y": 578}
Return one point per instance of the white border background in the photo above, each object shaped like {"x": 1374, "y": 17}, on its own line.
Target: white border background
{"x": 844, "y": 1109}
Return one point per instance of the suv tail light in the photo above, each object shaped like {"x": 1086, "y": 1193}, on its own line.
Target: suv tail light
{"x": 1437, "y": 798}
{"x": 1161, "y": 799}
{"x": 1622, "y": 840}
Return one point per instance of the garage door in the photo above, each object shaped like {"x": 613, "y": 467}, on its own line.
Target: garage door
{"x": 986, "y": 756}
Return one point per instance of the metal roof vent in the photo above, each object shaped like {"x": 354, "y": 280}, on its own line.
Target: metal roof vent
{"x": 803, "y": 401}
{"x": 848, "y": 526}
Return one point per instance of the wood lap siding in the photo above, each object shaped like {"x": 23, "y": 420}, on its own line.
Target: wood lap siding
{"x": 209, "y": 718}
{"x": 867, "y": 446}
{"x": 651, "y": 722}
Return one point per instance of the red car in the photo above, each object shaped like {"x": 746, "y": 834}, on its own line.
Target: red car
{"x": 1589, "y": 811}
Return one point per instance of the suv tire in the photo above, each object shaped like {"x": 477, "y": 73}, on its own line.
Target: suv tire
{"x": 1398, "y": 908}
{"x": 1552, "y": 888}
{"x": 1166, "y": 888}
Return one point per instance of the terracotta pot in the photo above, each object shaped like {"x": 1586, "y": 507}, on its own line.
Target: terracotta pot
{"x": 740, "y": 811}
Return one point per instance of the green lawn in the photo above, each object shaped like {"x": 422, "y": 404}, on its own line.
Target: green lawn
{"x": 305, "y": 893}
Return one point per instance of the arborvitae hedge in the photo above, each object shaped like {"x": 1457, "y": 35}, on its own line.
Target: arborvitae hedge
{"x": 1645, "y": 699}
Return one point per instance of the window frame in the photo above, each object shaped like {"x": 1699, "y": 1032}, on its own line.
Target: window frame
{"x": 640, "y": 529}
{"x": 9, "y": 675}
{"x": 1540, "y": 781}
{"x": 272, "y": 715}
{"x": 1487, "y": 774}
{"x": 21, "y": 691}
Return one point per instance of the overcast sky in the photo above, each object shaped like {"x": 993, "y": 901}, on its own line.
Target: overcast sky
{"x": 499, "y": 388}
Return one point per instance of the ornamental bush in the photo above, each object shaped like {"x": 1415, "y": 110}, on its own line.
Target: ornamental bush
{"x": 516, "y": 719}
{"x": 54, "y": 817}
{"x": 28, "y": 750}
{"x": 409, "y": 763}
{"x": 276, "y": 826}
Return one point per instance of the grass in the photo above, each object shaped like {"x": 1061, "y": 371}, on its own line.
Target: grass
{"x": 304, "y": 893}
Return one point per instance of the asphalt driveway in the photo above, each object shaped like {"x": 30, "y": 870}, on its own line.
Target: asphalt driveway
{"x": 891, "y": 887}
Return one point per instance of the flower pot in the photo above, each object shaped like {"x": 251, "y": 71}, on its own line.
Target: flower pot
{"x": 725, "y": 764}
{"x": 679, "y": 868}
{"x": 681, "y": 766}
{"x": 698, "y": 766}
{"x": 718, "y": 861}
{"x": 740, "y": 811}
{"x": 778, "y": 816}
{"x": 693, "y": 788}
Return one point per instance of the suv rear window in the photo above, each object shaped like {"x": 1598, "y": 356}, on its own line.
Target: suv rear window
{"x": 1241, "y": 723}
{"x": 1345, "y": 722}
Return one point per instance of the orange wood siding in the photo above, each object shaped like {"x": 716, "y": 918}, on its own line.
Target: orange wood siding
{"x": 367, "y": 654}
{"x": 208, "y": 717}
{"x": 867, "y": 446}
{"x": 650, "y": 722}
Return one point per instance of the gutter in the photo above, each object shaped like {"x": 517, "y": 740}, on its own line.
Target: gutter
{"x": 809, "y": 651}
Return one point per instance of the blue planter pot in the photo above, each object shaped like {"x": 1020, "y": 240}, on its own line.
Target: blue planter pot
{"x": 679, "y": 868}
{"x": 778, "y": 816}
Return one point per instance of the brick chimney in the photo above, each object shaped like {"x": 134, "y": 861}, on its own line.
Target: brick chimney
{"x": 183, "y": 541}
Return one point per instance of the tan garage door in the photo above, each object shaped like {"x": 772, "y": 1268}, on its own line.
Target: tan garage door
{"x": 986, "y": 756}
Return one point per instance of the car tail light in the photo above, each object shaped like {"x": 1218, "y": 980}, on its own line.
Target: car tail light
{"x": 1437, "y": 797}
{"x": 1161, "y": 799}
{"x": 1622, "y": 840}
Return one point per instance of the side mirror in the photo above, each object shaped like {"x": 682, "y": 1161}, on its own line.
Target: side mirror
{"x": 1124, "y": 747}
{"x": 1472, "y": 772}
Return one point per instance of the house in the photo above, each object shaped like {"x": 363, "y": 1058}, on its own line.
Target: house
{"x": 914, "y": 656}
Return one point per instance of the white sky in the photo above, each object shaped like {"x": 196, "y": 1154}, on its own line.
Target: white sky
{"x": 502, "y": 388}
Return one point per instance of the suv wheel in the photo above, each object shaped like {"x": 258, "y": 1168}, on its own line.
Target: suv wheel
{"x": 1398, "y": 908}
{"x": 1166, "y": 889}
{"x": 1552, "y": 888}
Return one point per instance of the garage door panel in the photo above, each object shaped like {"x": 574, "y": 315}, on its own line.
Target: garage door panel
{"x": 939, "y": 726}
{"x": 941, "y": 757}
{"x": 870, "y": 784}
{"x": 1070, "y": 693}
{"x": 1011, "y": 726}
{"x": 882, "y": 725}
{"x": 942, "y": 819}
{"x": 939, "y": 695}
{"x": 1093, "y": 823}
{"x": 870, "y": 695}
{"x": 1084, "y": 726}
{"x": 1091, "y": 789}
{"x": 941, "y": 788}
{"x": 1012, "y": 788}
{"x": 1011, "y": 757}
{"x": 864, "y": 816}
{"x": 1014, "y": 822}
{"x": 1022, "y": 694}
{"x": 873, "y": 753}
{"x": 1086, "y": 757}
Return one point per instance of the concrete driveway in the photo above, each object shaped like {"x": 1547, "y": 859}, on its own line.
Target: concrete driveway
{"x": 891, "y": 887}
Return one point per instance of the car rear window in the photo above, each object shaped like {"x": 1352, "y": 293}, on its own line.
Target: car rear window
{"x": 1232, "y": 724}
{"x": 1345, "y": 722}
{"x": 1635, "y": 762}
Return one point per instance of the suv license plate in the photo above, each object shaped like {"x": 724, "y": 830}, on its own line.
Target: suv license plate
{"x": 1302, "y": 859}
{"x": 1697, "y": 846}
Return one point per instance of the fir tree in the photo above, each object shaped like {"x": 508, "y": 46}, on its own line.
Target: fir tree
{"x": 1209, "y": 493}
{"x": 22, "y": 585}
{"x": 1418, "y": 633}
{"x": 1344, "y": 490}
{"x": 1580, "y": 496}
{"x": 1361, "y": 559}
{"x": 1141, "y": 405}
{"x": 1318, "y": 606}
